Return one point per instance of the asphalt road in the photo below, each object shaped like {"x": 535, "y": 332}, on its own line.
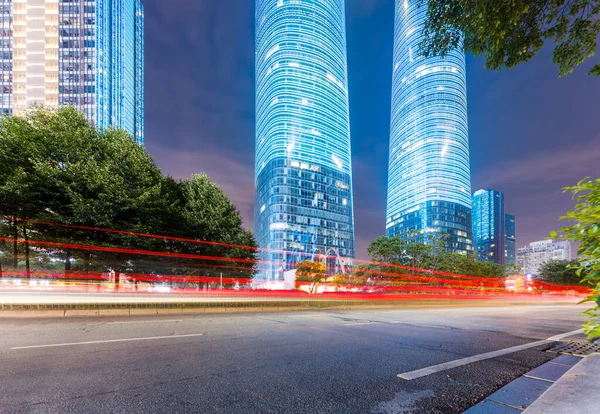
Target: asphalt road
{"x": 292, "y": 362}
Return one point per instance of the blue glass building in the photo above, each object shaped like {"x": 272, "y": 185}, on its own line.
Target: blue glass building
{"x": 488, "y": 225}
{"x": 429, "y": 185}
{"x": 303, "y": 172}
{"x": 510, "y": 242}
{"x": 90, "y": 54}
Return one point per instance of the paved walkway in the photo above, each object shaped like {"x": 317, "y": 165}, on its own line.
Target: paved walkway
{"x": 578, "y": 391}
{"x": 565, "y": 384}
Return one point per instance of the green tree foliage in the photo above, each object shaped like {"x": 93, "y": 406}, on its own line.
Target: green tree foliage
{"x": 585, "y": 229}
{"x": 560, "y": 272}
{"x": 425, "y": 254}
{"x": 56, "y": 167}
{"x": 311, "y": 272}
{"x": 388, "y": 250}
{"x": 508, "y": 33}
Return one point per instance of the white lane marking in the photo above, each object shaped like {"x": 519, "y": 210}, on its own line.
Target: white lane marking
{"x": 411, "y": 375}
{"x": 123, "y": 322}
{"x": 106, "y": 341}
{"x": 564, "y": 335}
{"x": 358, "y": 323}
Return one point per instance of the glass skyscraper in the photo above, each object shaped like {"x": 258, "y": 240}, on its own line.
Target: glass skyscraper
{"x": 85, "y": 53}
{"x": 488, "y": 225}
{"x": 429, "y": 185}
{"x": 510, "y": 243}
{"x": 303, "y": 172}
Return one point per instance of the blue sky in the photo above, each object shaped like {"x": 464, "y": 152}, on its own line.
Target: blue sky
{"x": 530, "y": 132}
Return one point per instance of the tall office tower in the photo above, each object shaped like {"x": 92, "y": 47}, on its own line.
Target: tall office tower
{"x": 303, "y": 172}
{"x": 429, "y": 183}
{"x": 488, "y": 225}
{"x": 510, "y": 243}
{"x": 85, "y": 53}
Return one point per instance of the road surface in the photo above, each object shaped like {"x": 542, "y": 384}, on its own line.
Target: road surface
{"x": 291, "y": 362}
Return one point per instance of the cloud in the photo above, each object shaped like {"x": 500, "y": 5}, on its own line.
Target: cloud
{"x": 559, "y": 166}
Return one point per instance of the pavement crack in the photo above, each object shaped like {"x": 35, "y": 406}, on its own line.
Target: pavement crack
{"x": 270, "y": 320}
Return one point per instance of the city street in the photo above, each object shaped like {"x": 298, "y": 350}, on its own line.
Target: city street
{"x": 289, "y": 362}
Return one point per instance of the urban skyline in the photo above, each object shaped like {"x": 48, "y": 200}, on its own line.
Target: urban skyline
{"x": 531, "y": 133}
{"x": 85, "y": 53}
{"x": 188, "y": 137}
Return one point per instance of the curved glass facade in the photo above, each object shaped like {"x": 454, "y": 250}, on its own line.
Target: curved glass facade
{"x": 303, "y": 172}
{"x": 429, "y": 173}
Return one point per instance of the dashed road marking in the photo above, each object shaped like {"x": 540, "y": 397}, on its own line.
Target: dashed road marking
{"x": 149, "y": 338}
{"x": 159, "y": 321}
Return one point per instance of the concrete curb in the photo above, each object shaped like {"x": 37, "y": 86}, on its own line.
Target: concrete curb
{"x": 111, "y": 309}
{"x": 577, "y": 391}
{"x": 519, "y": 395}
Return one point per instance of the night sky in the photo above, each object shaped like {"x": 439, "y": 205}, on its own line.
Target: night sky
{"x": 530, "y": 132}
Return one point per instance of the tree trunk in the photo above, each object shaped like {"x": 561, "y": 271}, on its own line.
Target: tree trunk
{"x": 27, "y": 267}
{"x": 88, "y": 262}
{"x": 2, "y": 246}
{"x": 15, "y": 245}
{"x": 67, "y": 262}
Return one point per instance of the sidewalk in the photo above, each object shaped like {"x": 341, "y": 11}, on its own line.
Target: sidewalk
{"x": 578, "y": 391}
{"x": 567, "y": 384}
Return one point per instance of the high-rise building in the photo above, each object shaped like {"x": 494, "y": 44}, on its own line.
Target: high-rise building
{"x": 303, "y": 172}
{"x": 488, "y": 225}
{"x": 510, "y": 241}
{"x": 429, "y": 184}
{"x": 85, "y": 53}
{"x": 532, "y": 257}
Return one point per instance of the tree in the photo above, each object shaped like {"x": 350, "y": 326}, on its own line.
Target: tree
{"x": 30, "y": 145}
{"x": 585, "y": 229}
{"x": 388, "y": 250}
{"x": 311, "y": 272}
{"x": 57, "y": 168}
{"x": 208, "y": 213}
{"x": 508, "y": 33}
{"x": 419, "y": 253}
{"x": 425, "y": 253}
{"x": 560, "y": 272}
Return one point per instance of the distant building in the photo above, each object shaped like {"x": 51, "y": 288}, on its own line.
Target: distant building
{"x": 429, "y": 179}
{"x": 488, "y": 225}
{"x": 85, "y": 53}
{"x": 532, "y": 257}
{"x": 510, "y": 241}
